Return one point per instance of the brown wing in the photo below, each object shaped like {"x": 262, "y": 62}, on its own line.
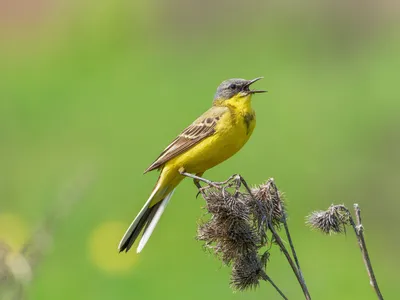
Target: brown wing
{"x": 200, "y": 129}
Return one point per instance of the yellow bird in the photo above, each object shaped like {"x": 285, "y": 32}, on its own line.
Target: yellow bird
{"x": 214, "y": 137}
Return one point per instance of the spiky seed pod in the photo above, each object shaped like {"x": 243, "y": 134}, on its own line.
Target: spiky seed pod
{"x": 267, "y": 205}
{"x": 228, "y": 232}
{"x": 246, "y": 272}
{"x": 333, "y": 220}
{"x": 237, "y": 229}
{"x": 226, "y": 206}
{"x": 240, "y": 240}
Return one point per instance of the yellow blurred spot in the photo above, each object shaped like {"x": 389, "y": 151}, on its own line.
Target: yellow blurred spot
{"x": 103, "y": 244}
{"x": 13, "y": 231}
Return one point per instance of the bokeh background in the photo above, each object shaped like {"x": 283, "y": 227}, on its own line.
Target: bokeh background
{"x": 92, "y": 91}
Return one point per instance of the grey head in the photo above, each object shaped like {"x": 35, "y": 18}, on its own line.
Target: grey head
{"x": 231, "y": 87}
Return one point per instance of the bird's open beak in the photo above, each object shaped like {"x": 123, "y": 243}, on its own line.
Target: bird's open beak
{"x": 250, "y": 82}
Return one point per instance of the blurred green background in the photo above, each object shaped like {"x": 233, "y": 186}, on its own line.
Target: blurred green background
{"x": 91, "y": 92}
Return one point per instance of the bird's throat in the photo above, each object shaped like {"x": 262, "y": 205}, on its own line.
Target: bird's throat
{"x": 242, "y": 111}
{"x": 239, "y": 105}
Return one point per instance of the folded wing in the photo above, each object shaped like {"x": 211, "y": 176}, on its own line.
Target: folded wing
{"x": 200, "y": 129}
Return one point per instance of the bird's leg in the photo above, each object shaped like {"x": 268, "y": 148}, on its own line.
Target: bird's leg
{"x": 197, "y": 179}
{"x": 234, "y": 180}
{"x": 197, "y": 184}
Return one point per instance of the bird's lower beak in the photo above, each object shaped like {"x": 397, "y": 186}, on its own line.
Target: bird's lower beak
{"x": 250, "y": 82}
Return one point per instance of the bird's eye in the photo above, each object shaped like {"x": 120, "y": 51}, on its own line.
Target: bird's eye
{"x": 233, "y": 86}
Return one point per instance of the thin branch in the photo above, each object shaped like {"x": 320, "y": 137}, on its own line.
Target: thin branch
{"x": 278, "y": 239}
{"x": 284, "y": 221}
{"x": 335, "y": 220}
{"x": 267, "y": 278}
{"x": 359, "y": 229}
{"x": 292, "y": 247}
{"x": 290, "y": 261}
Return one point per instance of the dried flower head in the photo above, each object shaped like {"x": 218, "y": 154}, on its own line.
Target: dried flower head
{"x": 247, "y": 271}
{"x": 225, "y": 205}
{"x": 333, "y": 220}
{"x": 269, "y": 203}
{"x": 237, "y": 228}
{"x": 228, "y": 232}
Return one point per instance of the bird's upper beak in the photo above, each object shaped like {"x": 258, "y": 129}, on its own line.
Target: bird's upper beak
{"x": 250, "y": 82}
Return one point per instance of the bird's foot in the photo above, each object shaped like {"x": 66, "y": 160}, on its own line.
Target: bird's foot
{"x": 233, "y": 181}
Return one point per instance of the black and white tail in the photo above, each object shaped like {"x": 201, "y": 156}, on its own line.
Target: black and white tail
{"x": 147, "y": 218}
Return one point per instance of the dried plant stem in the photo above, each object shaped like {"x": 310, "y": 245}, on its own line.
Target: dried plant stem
{"x": 267, "y": 278}
{"x": 300, "y": 279}
{"x": 359, "y": 230}
{"x": 296, "y": 260}
{"x": 295, "y": 267}
{"x": 284, "y": 221}
{"x": 335, "y": 219}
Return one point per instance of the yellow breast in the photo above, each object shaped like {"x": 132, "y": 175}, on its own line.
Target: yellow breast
{"x": 231, "y": 133}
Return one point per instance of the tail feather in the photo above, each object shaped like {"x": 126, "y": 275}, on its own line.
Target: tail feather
{"x": 131, "y": 235}
{"x": 153, "y": 219}
{"x": 138, "y": 223}
{"x": 147, "y": 219}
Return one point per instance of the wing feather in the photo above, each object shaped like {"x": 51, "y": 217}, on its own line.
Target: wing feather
{"x": 200, "y": 129}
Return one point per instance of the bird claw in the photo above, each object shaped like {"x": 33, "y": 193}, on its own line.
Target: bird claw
{"x": 201, "y": 189}
{"x": 233, "y": 181}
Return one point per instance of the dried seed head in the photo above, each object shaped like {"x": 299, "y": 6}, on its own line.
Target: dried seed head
{"x": 333, "y": 220}
{"x": 226, "y": 206}
{"x": 240, "y": 240}
{"x": 246, "y": 272}
{"x": 208, "y": 232}
{"x": 269, "y": 204}
{"x": 237, "y": 229}
{"x": 229, "y": 235}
